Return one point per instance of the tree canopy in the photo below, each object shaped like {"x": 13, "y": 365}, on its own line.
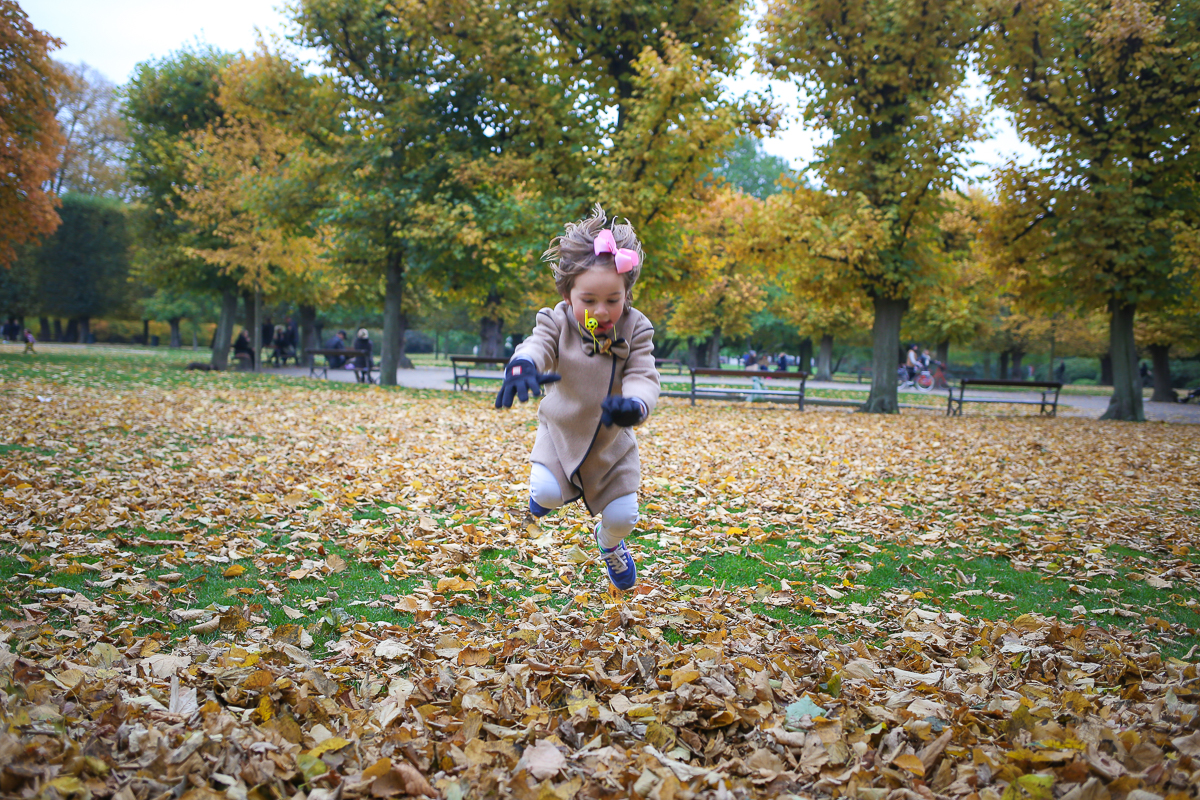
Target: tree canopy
{"x": 30, "y": 138}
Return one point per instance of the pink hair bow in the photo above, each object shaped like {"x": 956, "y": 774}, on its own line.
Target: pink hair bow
{"x": 605, "y": 243}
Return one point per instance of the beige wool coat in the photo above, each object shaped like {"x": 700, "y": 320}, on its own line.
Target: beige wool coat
{"x": 590, "y": 461}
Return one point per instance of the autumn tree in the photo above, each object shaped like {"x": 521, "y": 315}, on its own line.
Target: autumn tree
{"x": 497, "y": 123}
{"x": 1109, "y": 92}
{"x": 30, "y": 139}
{"x": 252, "y": 185}
{"x": 881, "y": 77}
{"x": 410, "y": 108}
{"x": 722, "y": 287}
{"x": 956, "y": 305}
{"x": 165, "y": 101}
{"x": 95, "y": 135}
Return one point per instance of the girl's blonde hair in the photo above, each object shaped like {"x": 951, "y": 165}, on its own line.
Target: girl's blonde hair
{"x": 574, "y": 253}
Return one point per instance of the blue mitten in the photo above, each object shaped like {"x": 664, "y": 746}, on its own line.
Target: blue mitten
{"x": 522, "y": 379}
{"x": 623, "y": 411}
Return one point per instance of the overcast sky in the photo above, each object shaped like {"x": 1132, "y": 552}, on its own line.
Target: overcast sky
{"x": 113, "y": 36}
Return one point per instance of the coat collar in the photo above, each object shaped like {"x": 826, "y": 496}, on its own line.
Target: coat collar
{"x": 613, "y": 343}
{"x": 603, "y": 345}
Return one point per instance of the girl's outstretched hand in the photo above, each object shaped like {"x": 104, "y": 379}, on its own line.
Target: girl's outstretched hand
{"x": 623, "y": 411}
{"x": 522, "y": 379}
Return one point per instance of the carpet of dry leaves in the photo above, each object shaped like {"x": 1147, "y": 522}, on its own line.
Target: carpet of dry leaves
{"x": 453, "y": 688}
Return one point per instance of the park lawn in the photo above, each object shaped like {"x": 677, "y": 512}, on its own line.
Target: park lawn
{"x": 201, "y": 524}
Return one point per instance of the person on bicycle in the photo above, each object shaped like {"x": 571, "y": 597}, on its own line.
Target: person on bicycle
{"x": 913, "y": 364}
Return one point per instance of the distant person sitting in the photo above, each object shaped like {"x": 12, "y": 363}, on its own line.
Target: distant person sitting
{"x": 363, "y": 361}
{"x": 782, "y": 363}
{"x": 336, "y": 342}
{"x": 242, "y": 349}
{"x": 1060, "y": 373}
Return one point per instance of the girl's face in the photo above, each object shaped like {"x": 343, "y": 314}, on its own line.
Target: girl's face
{"x": 598, "y": 293}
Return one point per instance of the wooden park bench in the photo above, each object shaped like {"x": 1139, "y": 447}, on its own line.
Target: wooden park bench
{"x": 1048, "y": 405}
{"x": 705, "y": 391}
{"x": 315, "y": 370}
{"x": 659, "y": 363}
{"x": 463, "y": 365}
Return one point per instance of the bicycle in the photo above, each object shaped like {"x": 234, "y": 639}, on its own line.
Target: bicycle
{"x": 923, "y": 382}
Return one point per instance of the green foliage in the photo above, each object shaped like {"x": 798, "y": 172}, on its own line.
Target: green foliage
{"x": 750, "y": 168}
{"x": 165, "y": 101}
{"x": 81, "y": 270}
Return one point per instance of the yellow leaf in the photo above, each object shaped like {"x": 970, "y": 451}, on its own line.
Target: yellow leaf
{"x": 910, "y": 762}
{"x": 234, "y": 571}
{"x": 455, "y": 584}
{"x": 265, "y": 709}
{"x": 327, "y": 746}
{"x": 681, "y": 676}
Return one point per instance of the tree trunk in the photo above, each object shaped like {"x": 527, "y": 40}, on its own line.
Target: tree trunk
{"x": 145, "y": 331}
{"x": 176, "y": 336}
{"x": 223, "y": 336}
{"x": 72, "y": 332}
{"x": 393, "y": 320}
{"x": 1106, "y": 365}
{"x": 666, "y": 348}
{"x": 491, "y": 337}
{"x": 943, "y": 352}
{"x": 1018, "y": 356}
{"x": 257, "y": 337}
{"x": 58, "y": 331}
{"x": 695, "y": 348}
{"x": 85, "y": 327}
{"x": 195, "y": 337}
{"x": 308, "y": 333}
{"x": 1050, "y": 364}
{"x": 1004, "y": 373}
{"x": 713, "y": 361}
{"x": 44, "y": 329}
{"x": 804, "y": 358}
{"x": 987, "y": 365}
{"x": 885, "y": 352}
{"x": 1160, "y": 358}
{"x": 1126, "y": 400}
{"x": 824, "y": 359}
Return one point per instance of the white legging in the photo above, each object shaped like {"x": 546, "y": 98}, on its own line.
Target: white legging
{"x": 618, "y": 520}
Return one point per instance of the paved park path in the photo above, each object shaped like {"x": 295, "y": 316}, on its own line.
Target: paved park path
{"x": 1082, "y": 405}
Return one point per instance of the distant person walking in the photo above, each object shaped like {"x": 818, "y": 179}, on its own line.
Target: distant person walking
{"x": 29, "y": 342}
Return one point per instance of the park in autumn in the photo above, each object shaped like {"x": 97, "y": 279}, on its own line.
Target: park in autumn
{"x": 916, "y": 487}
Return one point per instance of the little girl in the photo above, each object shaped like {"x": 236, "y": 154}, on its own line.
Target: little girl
{"x": 602, "y": 351}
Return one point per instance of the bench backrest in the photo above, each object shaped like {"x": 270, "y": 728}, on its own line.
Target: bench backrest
{"x": 477, "y": 360}
{"x": 1000, "y": 382}
{"x": 747, "y": 373}
{"x": 332, "y": 352}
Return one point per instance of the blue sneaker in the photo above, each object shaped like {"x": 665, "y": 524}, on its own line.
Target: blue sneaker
{"x": 536, "y": 510}
{"x": 621, "y": 569}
